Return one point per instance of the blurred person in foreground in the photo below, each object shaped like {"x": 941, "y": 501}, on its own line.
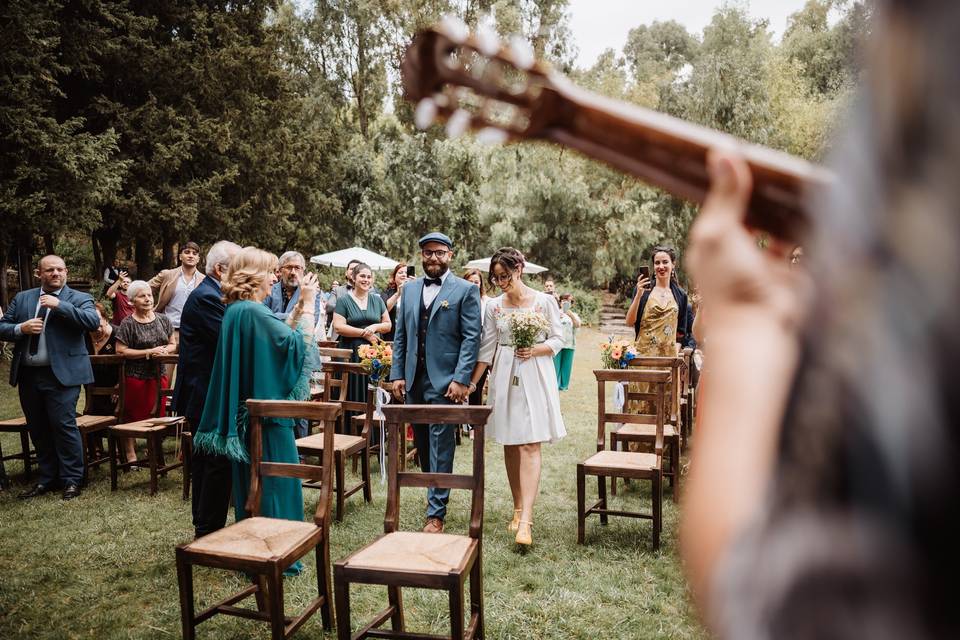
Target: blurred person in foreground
{"x": 823, "y": 492}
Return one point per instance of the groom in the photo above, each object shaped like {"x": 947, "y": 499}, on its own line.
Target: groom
{"x": 436, "y": 341}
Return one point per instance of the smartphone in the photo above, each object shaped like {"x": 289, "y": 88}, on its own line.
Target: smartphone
{"x": 566, "y": 305}
{"x": 644, "y": 273}
{"x": 411, "y": 271}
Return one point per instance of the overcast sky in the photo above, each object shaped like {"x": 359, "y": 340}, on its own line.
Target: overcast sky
{"x": 603, "y": 24}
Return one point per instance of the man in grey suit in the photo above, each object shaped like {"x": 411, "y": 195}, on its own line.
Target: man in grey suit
{"x": 50, "y": 363}
{"x": 436, "y": 342}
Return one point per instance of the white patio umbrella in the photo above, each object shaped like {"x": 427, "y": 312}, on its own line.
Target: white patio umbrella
{"x": 343, "y": 257}
{"x": 483, "y": 264}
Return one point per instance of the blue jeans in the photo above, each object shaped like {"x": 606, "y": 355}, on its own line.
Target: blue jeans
{"x": 436, "y": 443}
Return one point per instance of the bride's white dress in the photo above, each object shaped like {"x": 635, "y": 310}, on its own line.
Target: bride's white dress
{"x": 530, "y": 410}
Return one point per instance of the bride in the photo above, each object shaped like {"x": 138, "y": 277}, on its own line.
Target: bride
{"x": 523, "y": 384}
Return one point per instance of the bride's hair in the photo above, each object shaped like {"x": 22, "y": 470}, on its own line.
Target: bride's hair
{"x": 509, "y": 260}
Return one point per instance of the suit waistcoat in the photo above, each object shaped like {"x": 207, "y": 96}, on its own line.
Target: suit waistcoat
{"x": 422, "y": 335}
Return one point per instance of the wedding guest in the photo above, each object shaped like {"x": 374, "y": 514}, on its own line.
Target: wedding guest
{"x": 112, "y": 272}
{"x": 550, "y": 287}
{"x": 391, "y": 296}
{"x": 569, "y": 323}
{"x": 200, "y": 323}
{"x": 475, "y": 277}
{"x": 117, "y": 293}
{"x": 360, "y": 317}
{"x": 339, "y": 292}
{"x": 659, "y": 314}
{"x": 172, "y": 287}
{"x": 142, "y": 335}
{"x": 102, "y": 341}
{"x": 285, "y": 294}
{"x": 49, "y": 365}
{"x": 259, "y": 356}
{"x": 523, "y": 384}
{"x": 437, "y": 338}
{"x": 823, "y": 491}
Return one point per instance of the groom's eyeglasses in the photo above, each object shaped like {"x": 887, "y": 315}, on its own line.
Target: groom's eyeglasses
{"x": 429, "y": 253}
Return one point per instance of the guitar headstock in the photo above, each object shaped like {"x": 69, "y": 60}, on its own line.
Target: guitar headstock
{"x": 474, "y": 81}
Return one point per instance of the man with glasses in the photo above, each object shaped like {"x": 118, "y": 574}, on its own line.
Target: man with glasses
{"x": 436, "y": 342}
{"x": 285, "y": 293}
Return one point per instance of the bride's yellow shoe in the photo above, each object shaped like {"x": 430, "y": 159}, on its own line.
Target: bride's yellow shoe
{"x": 515, "y": 523}
{"x": 524, "y": 533}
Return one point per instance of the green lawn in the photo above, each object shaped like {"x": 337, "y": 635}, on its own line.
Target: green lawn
{"x": 102, "y": 566}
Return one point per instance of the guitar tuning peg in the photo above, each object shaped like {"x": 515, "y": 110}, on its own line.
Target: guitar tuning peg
{"x": 491, "y": 136}
{"x": 455, "y": 28}
{"x": 523, "y": 55}
{"x": 458, "y": 123}
{"x": 425, "y": 113}
{"x": 488, "y": 43}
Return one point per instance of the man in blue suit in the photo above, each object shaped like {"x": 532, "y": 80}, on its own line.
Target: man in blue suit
{"x": 50, "y": 363}
{"x": 200, "y": 323}
{"x": 283, "y": 298}
{"x": 436, "y": 342}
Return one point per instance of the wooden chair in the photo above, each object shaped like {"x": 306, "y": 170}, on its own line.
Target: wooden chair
{"x": 624, "y": 464}
{"x": 90, "y": 423}
{"x": 265, "y": 547}
{"x": 645, "y": 432}
{"x": 414, "y": 559}
{"x": 345, "y": 446}
{"x": 154, "y": 430}
{"x": 27, "y": 455}
{"x": 326, "y": 343}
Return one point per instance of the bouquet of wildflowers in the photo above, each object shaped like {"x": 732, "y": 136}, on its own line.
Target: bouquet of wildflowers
{"x": 525, "y": 328}
{"x": 617, "y": 354}
{"x": 376, "y": 360}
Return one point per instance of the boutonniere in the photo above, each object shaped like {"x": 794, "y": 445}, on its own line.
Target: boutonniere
{"x": 444, "y": 304}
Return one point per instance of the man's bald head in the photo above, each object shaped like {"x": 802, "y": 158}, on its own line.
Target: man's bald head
{"x": 52, "y": 271}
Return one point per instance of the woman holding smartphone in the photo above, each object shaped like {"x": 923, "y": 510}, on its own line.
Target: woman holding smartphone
{"x": 569, "y": 323}
{"x": 659, "y": 311}
{"x": 393, "y": 294}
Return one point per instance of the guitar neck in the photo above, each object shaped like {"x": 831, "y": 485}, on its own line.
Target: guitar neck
{"x": 671, "y": 154}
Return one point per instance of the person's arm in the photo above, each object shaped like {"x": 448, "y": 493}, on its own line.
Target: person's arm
{"x": 399, "y": 355}
{"x": 112, "y": 291}
{"x": 632, "y": 312}
{"x": 392, "y": 300}
{"x": 574, "y": 317}
{"x": 155, "y": 282}
{"x": 470, "y": 331}
{"x": 10, "y": 329}
{"x": 83, "y": 315}
{"x": 488, "y": 345}
{"x": 755, "y": 313}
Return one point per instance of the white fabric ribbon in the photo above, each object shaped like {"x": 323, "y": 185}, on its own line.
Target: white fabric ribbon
{"x": 382, "y": 398}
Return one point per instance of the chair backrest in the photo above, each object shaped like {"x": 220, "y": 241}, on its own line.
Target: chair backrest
{"x": 91, "y": 391}
{"x": 657, "y": 377}
{"x": 334, "y": 375}
{"x": 343, "y": 355}
{"x": 164, "y": 394}
{"x": 674, "y": 387}
{"x": 326, "y": 343}
{"x": 323, "y": 412}
{"x": 397, "y": 417}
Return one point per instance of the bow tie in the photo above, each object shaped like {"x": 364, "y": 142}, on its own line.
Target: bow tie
{"x": 432, "y": 282}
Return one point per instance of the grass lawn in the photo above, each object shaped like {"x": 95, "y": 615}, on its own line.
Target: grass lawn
{"x": 102, "y": 566}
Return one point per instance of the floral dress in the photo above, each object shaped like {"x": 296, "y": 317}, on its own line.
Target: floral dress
{"x": 657, "y": 338}
{"x": 528, "y": 411}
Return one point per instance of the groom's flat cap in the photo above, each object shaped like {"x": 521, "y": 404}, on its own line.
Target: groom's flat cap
{"x": 436, "y": 236}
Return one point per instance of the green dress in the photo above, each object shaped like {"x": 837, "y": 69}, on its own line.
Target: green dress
{"x": 258, "y": 357}
{"x": 360, "y": 319}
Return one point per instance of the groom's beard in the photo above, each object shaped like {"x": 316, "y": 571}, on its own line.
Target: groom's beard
{"x": 435, "y": 269}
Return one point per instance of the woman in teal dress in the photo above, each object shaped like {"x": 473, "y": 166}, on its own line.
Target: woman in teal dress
{"x": 360, "y": 318}
{"x": 262, "y": 357}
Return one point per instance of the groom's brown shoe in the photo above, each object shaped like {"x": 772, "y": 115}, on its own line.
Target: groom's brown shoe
{"x": 434, "y": 525}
